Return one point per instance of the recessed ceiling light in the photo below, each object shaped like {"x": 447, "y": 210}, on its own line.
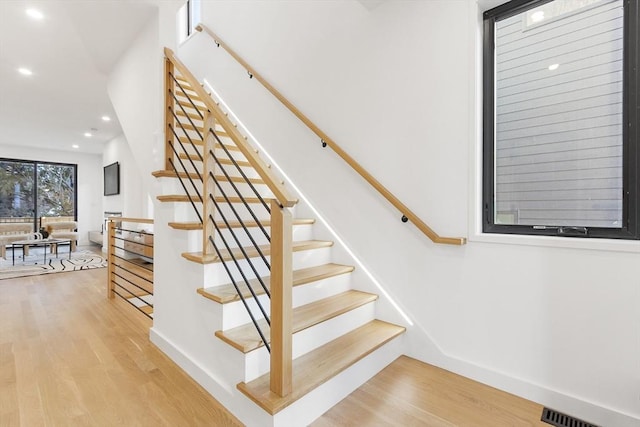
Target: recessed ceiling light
{"x": 88, "y": 134}
{"x": 537, "y": 16}
{"x": 75, "y": 146}
{"x": 553, "y": 67}
{"x": 106, "y": 118}
{"x": 35, "y": 14}
{"x": 25, "y": 71}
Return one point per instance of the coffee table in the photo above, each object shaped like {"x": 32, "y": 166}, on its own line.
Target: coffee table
{"x": 51, "y": 243}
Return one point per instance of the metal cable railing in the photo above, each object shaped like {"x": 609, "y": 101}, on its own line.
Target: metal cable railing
{"x": 215, "y": 176}
{"x": 130, "y": 265}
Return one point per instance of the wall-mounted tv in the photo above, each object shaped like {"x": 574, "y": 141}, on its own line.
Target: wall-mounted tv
{"x": 112, "y": 179}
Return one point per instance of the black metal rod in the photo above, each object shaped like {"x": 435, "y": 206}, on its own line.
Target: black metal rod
{"x": 133, "y": 273}
{"x": 193, "y": 165}
{"x": 135, "y": 306}
{"x": 195, "y": 128}
{"x": 240, "y": 221}
{"x": 183, "y": 91}
{"x": 133, "y": 231}
{"x": 129, "y": 261}
{"x": 226, "y": 150}
{"x": 133, "y": 284}
{"x": 243, "y": 200}
{"x": 244, "y": 253}
{"x": 241, "y": 196}
{"x": 187, "y": 192}
{"x": 242, "y": 298}
{"x": 175, "y": 116}
{"x": 237, "y": 264}
{"x": 195, "y": 188}
{"x": 133, "y": 241}
{"x": 129, "y": 251}
{"x": 224, "y": 219}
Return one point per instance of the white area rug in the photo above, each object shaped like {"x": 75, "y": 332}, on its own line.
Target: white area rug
{"x": 34, "y": 263}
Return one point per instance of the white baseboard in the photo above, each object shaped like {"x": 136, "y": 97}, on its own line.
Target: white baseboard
{"x": 562, "y": 402}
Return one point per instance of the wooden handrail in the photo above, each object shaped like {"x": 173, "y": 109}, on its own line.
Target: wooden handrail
{"x": 406, "y": 212}
{"x": 280, "y": 193}
{"x": 126, "y": 219}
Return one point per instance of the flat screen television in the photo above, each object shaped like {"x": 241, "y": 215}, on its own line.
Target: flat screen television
{"x": 112, "y": 179}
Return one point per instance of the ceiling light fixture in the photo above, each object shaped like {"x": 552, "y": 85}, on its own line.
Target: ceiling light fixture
{"x": 75, "y": 146}
{"x": 537, "y": 16}
{"x": 106, "y": 118}
{"x": 553, "y": 67}
{"x": 35, "y": 14}
{"x": 25, "y": 71}
{"x": 88, "y": 134}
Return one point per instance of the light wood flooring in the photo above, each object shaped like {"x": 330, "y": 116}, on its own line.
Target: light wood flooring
{"x": 70, "y": 357}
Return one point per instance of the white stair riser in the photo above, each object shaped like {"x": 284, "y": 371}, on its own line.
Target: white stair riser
{"x": 257, "y": 361}
{"x": 235, "y": 314}
{"x": 300, "y": 232}
{"x": 317, "y": 402}
{"x": 215, "y": 274}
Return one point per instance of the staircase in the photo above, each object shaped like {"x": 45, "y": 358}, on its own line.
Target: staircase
{"x": 335, "y": 342}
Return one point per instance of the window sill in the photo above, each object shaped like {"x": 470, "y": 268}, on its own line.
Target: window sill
{"x": 610, "y": 245}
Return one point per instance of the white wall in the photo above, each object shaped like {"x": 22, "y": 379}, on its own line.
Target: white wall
{"x": 396, "y": 86}
{"x": 131, "y": 199}
{"x": 89, "y": 181}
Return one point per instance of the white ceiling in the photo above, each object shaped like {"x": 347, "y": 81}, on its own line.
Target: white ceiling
{"x": 71, "y": 53}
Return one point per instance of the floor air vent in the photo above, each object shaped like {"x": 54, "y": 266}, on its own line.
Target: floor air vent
{"x": 559, "y": 419}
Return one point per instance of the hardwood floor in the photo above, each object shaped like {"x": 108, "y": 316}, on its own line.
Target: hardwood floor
{"x": 69, "y": 356}
{"x": 411, "y": 393}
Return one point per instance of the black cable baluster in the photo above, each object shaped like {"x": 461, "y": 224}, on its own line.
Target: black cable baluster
{"x": 237, "y": 264}
{"x": 187, "y": 193}
{"x": 185, "y": 151}
{"x": 226, "y": 150}
{"x": 195, "y": 128}
{"x": 244, "y": 253}
{"x": 184, "y": 169}
{"x": 240, "y": 221}
{"x": 244, "y": 302}
{"x": 241, "y": 196}
{"x": 183, "y": 91}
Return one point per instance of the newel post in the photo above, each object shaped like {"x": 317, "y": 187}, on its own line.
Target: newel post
{"x": 208, "y": 184}
{"x": 281, "y": 302}
{"x": 168, "y": 113}
{"x": 111, "y": 253}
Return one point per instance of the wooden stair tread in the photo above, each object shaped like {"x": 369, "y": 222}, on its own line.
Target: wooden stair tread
{"x": 186, "y": 104}
{"x": 252, "y": 252}
{"x": 236, "y": 179}
{"x": 219, "y": 199}
{"x": 192, "y": 116}
{"x": 227, "y": 293}
{"x": 234, "y": 224}
{"x": 220, "y": 134}
{"x": 146, "y": 309}
{"x": 246, "y": 338}
{"x": 320, "y": 365}
{"x": 196, "y": 158}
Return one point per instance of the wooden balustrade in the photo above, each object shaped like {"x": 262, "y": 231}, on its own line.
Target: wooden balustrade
{"x": 129, "y": 267}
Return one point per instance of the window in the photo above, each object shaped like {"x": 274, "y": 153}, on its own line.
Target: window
{"x": 188, "y": 19}
{"x": 30, "y": 190}
{"x": 561, "y": 116}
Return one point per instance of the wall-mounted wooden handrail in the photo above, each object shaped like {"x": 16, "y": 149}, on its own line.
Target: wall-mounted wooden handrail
{"x": 406, "y": 212}
{"x": 280, "y": 193}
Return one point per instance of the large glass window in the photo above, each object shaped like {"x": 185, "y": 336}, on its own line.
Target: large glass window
{"x": 30, "y": 190}
{"x": 561, "y": 117}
